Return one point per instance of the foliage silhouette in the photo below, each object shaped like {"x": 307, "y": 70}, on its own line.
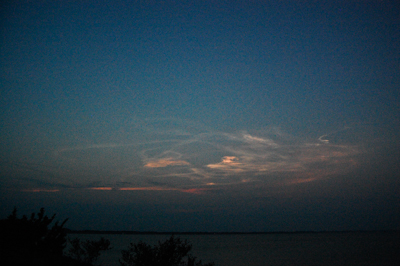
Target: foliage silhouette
{"x": 87, "y": 251}
{"x": 172, "y": 252}
{"x": 31, "y": 240}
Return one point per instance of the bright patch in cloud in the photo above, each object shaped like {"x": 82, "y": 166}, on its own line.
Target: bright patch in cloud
{"x": 165, "y": 162}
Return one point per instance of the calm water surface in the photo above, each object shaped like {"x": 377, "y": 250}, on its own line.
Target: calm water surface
{"x": 311, "y": 249}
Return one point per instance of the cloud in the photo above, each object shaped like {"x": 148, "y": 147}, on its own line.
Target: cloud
{"x": 196, "y": 191}
{"x": 258, "y": 140}
{"x": 244, "y": 156}
{"x": 100, "y": 188}
{"x": 147, "y": 188}
{"x": 229, "y": 164}
{"x": 191, "y": 159}
{"x": 164, "y": 163}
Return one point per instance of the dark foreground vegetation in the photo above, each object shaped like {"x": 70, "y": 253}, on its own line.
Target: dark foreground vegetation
{"x": 172, "y": 252}
{"x": 34, "y": 241}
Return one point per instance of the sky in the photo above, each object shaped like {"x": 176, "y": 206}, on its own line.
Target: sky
{"x": 217, "y": 116}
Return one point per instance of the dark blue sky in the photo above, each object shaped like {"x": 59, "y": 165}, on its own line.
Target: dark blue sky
{"x": 202, "y": 115}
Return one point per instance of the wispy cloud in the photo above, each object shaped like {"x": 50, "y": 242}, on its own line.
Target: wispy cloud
{"x": 147, "y": 188}
{"x": 155, "y": 188}
{"x": 165, "y": 162}
{"x": 100, "y": 188}
{"x": 229, "y": 164}
{"x": 194, "y": 159}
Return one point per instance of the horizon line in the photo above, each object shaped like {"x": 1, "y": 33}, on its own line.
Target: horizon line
{"x": 86, "y": 231}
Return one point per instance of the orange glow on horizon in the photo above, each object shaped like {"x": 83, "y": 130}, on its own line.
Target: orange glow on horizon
{"x": 196, "y": 191}
{"x": 146, "y": 188}
{"x": 100, "y": 188}
{"x": 299, "y": 180}
{"x": 190, "y": 190}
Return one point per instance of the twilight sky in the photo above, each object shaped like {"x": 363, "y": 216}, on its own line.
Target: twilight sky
{"x": 202, "y": 115}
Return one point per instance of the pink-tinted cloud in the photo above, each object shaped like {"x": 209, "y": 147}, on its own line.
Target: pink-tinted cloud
{"x": 164, "y": 163}
{"x": 196, "y": 191}
{"x": 229, "y": 164}
{"x": 258, "y": 156}
{"x": 101, "y": 188}
{"x": 177, "y": 161}
{"x": 146, "y": 188}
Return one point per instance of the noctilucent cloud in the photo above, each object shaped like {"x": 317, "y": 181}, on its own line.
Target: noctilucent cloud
{"x": 202, "y": 115}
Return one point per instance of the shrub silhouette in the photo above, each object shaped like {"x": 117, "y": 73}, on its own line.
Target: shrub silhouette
{"x": 172, "y": 252}
{"x": 87, "y": 251}
{"x": 31, "y": 240}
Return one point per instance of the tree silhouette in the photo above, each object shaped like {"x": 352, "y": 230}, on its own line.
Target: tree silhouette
{"x": 87, "y": 251}
{"x": 172, "y": 252}
{"x": 31, "y": 240}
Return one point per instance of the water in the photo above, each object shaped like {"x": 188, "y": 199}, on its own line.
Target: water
{"x": 311, "y": 249}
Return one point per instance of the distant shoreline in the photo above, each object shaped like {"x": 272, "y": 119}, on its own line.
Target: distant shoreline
{"x": 111, "y": 232}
